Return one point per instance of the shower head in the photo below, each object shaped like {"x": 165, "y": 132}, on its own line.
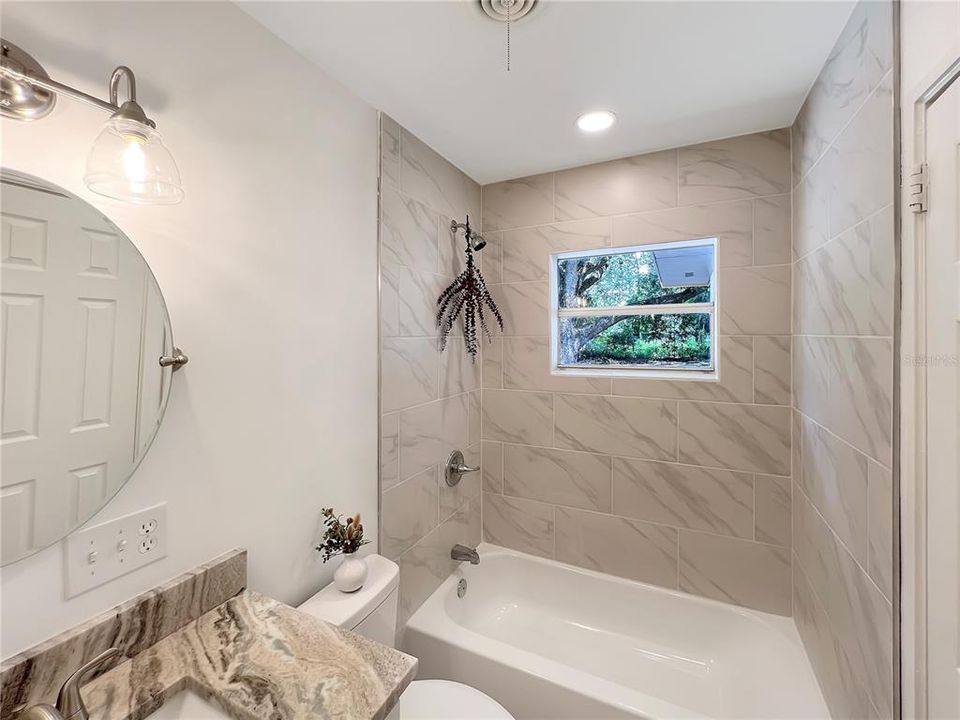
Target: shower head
{"x": 474, "y": 240}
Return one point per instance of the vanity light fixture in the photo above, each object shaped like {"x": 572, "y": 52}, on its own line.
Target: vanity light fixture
{"x": 128, "y": 160}
{"x": 596, "y": 121}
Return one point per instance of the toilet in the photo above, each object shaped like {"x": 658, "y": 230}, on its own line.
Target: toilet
{"x": 371, "y": 611}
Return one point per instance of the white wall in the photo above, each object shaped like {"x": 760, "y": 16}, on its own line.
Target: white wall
{"x": 269, "y": 270}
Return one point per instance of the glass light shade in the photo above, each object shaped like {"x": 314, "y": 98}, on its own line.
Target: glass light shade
{"x": 129, "y": 162}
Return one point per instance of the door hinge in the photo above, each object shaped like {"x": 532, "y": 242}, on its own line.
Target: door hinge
{"x": 917, "y": 190}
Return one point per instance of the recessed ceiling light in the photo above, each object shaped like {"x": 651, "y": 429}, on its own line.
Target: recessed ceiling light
{"x": 596, "y": 121}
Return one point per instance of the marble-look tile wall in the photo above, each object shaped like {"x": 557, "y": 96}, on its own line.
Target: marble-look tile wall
{"x": 681, "y": 484}
{"x": 430, "y": 400}
{"x": 843, "y": 318}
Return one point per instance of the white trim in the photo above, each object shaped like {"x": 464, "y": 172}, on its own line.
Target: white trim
{"x": 665, "y": 309}
{"x": 693, "y": 374}
{"x": 913, "y": 432}
{"x": 630, "y": 249}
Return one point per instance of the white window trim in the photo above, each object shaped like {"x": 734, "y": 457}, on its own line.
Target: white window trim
{"x": 626, "y": 371}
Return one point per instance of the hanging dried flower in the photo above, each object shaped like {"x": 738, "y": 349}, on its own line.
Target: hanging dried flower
{"x": 467, "y": 296}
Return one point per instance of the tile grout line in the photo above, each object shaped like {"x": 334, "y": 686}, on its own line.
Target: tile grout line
{"x": 503, "y": 468}
{"x": 829, "y": 145}
{"x": 614, "y": 248}
{"x": 841, "y": 544}
{"x": 864, "y": 221}
{"x": 643, "y": 521}
{"x": 637, "y": 213}
{"x": 554, "y": 532}
{"x": 678, "y": 559}
{"x": 678, "y": 431}
{"x": 846, "y": 442}
{"x": 553, "y": 408}
{"x": 651, "y": 398}
{"x": 638, "y": 458}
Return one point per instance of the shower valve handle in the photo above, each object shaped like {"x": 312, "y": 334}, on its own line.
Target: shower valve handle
{"x": 456, "y": 468}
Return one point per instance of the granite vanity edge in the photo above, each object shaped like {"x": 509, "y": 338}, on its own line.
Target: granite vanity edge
{"x": 258, "y": 659}
{"x": 35, "y": 675}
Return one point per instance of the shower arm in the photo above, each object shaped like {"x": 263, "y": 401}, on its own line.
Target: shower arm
{"x": 475, "y": 240}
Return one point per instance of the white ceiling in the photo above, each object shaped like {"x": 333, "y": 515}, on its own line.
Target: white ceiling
{"x": 675, "y": 73}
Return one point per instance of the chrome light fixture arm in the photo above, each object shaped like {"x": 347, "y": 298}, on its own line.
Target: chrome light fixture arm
{"x": 128, "y": 160}
{"x": 20, "y": 67}
{"x": 48, "y": 84}
{"x": 14, "y": 66}
{"x": 131, "y": 109}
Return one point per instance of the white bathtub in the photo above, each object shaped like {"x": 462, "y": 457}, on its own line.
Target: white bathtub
{"x": 548, "y": 640}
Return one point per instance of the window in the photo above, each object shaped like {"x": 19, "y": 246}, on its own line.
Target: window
{"x": 645, "y": 310}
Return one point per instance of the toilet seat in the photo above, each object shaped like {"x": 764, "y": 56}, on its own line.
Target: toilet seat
{"x": 446, "y": 700}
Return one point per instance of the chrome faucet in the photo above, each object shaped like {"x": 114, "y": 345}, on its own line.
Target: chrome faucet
{"x": 69, "y": 702}
{"x": 462, "y": 552}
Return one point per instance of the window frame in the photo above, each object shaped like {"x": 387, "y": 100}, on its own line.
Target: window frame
{"x": 711, "y": 374}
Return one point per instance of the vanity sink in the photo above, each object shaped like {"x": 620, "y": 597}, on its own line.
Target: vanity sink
{"x": 188, "y": 705}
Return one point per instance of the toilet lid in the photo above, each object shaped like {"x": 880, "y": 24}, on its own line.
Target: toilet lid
{"x": 445, "y": 700}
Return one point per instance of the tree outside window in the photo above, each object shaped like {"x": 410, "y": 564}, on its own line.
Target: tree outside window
{"x": 645, "y": 307}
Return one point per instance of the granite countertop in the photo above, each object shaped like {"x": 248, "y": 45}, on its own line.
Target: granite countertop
{"x": 257, "y": 658}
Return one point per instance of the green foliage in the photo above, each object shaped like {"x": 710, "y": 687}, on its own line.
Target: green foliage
{"x": 621, "y": 280}
{"x": 655, "y": 339}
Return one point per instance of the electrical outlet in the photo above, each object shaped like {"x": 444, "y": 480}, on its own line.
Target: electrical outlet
{"x": 147, "y": 545}
{"x": 98, "y": 554}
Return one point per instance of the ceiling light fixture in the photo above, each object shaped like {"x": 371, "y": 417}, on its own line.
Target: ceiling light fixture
{"x": 596, "y": 121}
{"x": 128, "y": 160}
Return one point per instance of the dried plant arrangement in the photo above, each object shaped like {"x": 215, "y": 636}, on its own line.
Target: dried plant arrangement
{"x": 340, "y": 537}
{"x": 467, "y": 296}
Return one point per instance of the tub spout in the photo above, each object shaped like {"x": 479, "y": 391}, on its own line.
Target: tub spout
{"x": 462, "y": 552}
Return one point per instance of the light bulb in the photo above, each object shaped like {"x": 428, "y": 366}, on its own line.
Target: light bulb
{"x": 134, "y": 160}
{"x": 596, "y": 121}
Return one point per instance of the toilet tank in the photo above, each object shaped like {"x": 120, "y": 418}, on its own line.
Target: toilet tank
{"x": 371, "y": 611}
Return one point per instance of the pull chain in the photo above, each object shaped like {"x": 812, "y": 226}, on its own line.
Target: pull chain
{"x": 509, "y": 4}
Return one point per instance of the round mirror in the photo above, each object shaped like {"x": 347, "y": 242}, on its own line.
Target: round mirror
{"x": 84, "y": 327}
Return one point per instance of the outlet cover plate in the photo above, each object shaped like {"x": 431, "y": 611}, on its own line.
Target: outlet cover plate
{"x": 98, "y": 554}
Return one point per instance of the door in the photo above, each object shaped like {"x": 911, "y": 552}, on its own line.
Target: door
{"x": 943, "y": 404}
{"x": 73, "y": 293}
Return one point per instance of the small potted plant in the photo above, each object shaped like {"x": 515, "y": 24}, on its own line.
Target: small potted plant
{"x": 344, "y": 538}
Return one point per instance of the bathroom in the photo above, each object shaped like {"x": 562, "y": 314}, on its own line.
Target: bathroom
{"x": 695, "y": 358}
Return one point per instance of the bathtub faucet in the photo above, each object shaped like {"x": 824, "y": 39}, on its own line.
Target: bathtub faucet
{"x": 462, "y": 552}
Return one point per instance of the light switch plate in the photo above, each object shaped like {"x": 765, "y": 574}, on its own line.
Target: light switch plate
{"x": 98, "y": 554}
